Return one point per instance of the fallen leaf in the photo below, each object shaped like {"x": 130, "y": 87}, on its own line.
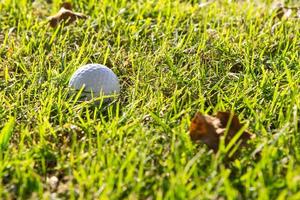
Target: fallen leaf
{"x": 285, "y": 12}
{"x": 65, "y": 14}
{"x": 282, "y": 12}
{"x": 209, "y": 129}
{"x": 66, "y": 5}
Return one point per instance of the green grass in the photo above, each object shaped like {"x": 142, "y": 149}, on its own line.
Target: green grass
{"x": 173, "y": 59}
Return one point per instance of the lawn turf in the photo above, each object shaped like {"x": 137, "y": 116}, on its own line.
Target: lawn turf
{"x": 173, "y": 58}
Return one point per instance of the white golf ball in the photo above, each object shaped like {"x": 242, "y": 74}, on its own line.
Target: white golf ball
{"x": 96, "y": 80}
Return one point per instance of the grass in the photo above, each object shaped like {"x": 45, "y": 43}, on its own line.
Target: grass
{"x": 173, "y": 58}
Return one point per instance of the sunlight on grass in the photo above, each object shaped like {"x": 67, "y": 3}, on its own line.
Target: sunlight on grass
{"x": 173, "y": 58}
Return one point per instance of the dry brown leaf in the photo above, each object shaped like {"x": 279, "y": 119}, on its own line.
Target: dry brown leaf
{"x": 209, "y": 129}
{"x": 65, "y": 14}
{"x": 285, "y": 12}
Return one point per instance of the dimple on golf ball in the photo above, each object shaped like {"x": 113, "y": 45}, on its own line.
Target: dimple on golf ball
{"x": 95, "y": 80}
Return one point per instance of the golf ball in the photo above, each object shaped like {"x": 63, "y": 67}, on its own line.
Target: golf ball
{"x": 95, "y": 80}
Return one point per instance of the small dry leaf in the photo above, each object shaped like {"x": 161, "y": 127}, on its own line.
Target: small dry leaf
{"x": 209, "y": 129}
{"x": 284, "y": 12}
{"x": 65, "y": 14}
